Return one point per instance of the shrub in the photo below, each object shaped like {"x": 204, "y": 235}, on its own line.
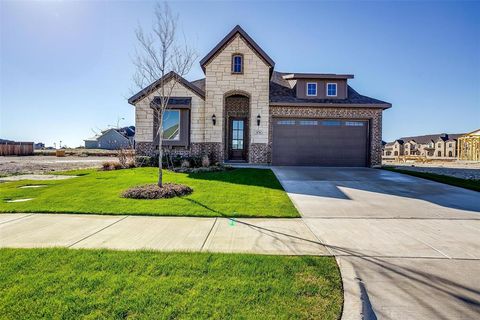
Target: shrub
{"x": 125, "y": 156}
{"x": 153, "y": 191}
{"x": 185, "y": 163}
{"x": 145, "y": 161}
{"x": 205, "y": 161}
{"x": 215, "y": 168}
{"x": 111, "y": 165}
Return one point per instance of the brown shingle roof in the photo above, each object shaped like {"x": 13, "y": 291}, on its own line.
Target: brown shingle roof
{"x": 431, "y": 137}
{"x": 282, "y": 93}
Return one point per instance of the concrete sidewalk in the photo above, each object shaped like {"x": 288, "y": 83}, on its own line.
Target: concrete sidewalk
{"x": 264, "y": 236}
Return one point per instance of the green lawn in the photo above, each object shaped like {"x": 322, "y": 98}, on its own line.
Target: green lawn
{"x": 101, "y": 284}
{"x": 457, "y": 182}
{"x": 238, "y": 192}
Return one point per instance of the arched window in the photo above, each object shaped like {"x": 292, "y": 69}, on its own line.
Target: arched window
{"x": 396, "y": 153}
{"x": 450, "y": 154}
{"x": 439, "y": 153}
{"x": 237, "y": 63}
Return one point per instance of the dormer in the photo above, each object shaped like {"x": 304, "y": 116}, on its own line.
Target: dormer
{"x": 319, "y": 85}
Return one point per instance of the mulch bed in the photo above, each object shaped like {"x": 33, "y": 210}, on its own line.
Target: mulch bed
{"x": 153, "y": 191}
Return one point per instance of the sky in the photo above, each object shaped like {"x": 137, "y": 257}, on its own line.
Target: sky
{"x": 66, "y": 67}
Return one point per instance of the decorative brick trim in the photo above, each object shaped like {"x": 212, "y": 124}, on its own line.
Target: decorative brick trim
{"x": 374, "y": 116}
{"x": 212, "y": 149}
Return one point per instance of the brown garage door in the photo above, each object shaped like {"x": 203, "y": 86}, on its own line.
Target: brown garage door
{"x": 319, "y": 142}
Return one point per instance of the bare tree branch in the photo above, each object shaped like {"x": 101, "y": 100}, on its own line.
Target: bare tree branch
{"x": 160, "y": 52}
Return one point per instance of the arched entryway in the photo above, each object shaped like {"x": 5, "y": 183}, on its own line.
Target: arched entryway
{"x": 236, "y": 126}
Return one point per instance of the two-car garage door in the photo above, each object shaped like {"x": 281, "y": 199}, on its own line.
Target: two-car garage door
{"x": 320, "y": 142}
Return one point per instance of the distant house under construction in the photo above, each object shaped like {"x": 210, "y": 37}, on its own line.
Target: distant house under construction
{"x": 468, "y": 146}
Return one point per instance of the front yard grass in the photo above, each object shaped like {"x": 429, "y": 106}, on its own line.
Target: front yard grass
{"x": 453, "y": 181}
{"x": 102, "y": 284}
{"x": 238, "y": 192}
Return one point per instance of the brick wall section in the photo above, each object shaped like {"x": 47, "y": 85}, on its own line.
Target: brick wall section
{"x": 213, "y": 150}
{"x": 259, "y": 153}
{"x": 145, "y": 149}
{"x": 373, "y": 115}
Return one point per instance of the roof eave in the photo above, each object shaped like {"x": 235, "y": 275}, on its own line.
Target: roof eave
{"x": 150, "y": 88}
{"x": 294, "y": 76}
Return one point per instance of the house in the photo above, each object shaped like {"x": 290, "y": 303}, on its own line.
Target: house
{"x": 246, "y": 111}
{"x": 112, "y": 139}
{"x": 39, "y": 146}
{"x": 433, "y": 146}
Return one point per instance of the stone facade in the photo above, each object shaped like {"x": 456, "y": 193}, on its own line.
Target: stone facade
{"x": 144, "y": 115}
{"x": 374, "y": 116}
{"x": 221, "y": 83}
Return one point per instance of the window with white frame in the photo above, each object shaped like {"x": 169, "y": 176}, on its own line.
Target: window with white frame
{"x": 311, "y": 89}
{"x": 331, "y": 89}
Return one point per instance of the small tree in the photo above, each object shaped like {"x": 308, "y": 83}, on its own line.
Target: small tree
{"x": 160, "y": 60}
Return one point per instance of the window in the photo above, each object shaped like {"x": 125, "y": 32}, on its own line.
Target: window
{"x": 311, "y": 89}
{"x": 450, "y": 154}
{"x": 237, "y": 63}
{"x": 171, "y": 125}
{"x": 354, "y": 123}
{"x": 308, "y": 122}
{"x": 286, "y": 122}
{"x": 237, "y": 135}
{"x": 331, "y": 89}
{"x": 331, "y": 123}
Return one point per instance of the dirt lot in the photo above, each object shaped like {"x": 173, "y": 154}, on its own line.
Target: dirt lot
{"x": 44, "y": 164}
{"x": 464, "y": 170}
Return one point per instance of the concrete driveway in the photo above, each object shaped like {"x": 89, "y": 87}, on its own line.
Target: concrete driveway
{"x": 408, "y": 248}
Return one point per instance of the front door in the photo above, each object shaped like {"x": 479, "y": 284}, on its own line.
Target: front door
{"x": 236, "y": 139}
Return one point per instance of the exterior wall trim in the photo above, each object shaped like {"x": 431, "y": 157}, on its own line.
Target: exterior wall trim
{"x": 330, "y": 105}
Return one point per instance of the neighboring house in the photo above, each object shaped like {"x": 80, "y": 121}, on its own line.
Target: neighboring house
{"x": 112, "y": 139}
{"x": 39, "y": 146}
{"x": 428, "y": 146}
{"x": 245, "y": 111}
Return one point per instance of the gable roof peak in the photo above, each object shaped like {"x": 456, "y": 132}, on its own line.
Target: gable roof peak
{"x": 155, "y": 85}
{"x": 226, "y": 40}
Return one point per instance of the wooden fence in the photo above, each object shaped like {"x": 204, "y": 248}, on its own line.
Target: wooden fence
{"x": 16, "y": 148}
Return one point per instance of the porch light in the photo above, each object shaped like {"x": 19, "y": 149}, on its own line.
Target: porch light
{"x": 258, "y": 120}
{"x": 214, "y": 119}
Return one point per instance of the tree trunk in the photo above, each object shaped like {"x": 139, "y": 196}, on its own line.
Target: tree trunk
{"x": 160, "y": 165}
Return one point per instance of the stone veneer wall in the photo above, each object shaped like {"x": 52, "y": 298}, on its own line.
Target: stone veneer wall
{"x": 221, "y": 83}
{"x": 144, "y": 116}
{"x": 373, "y": 115}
